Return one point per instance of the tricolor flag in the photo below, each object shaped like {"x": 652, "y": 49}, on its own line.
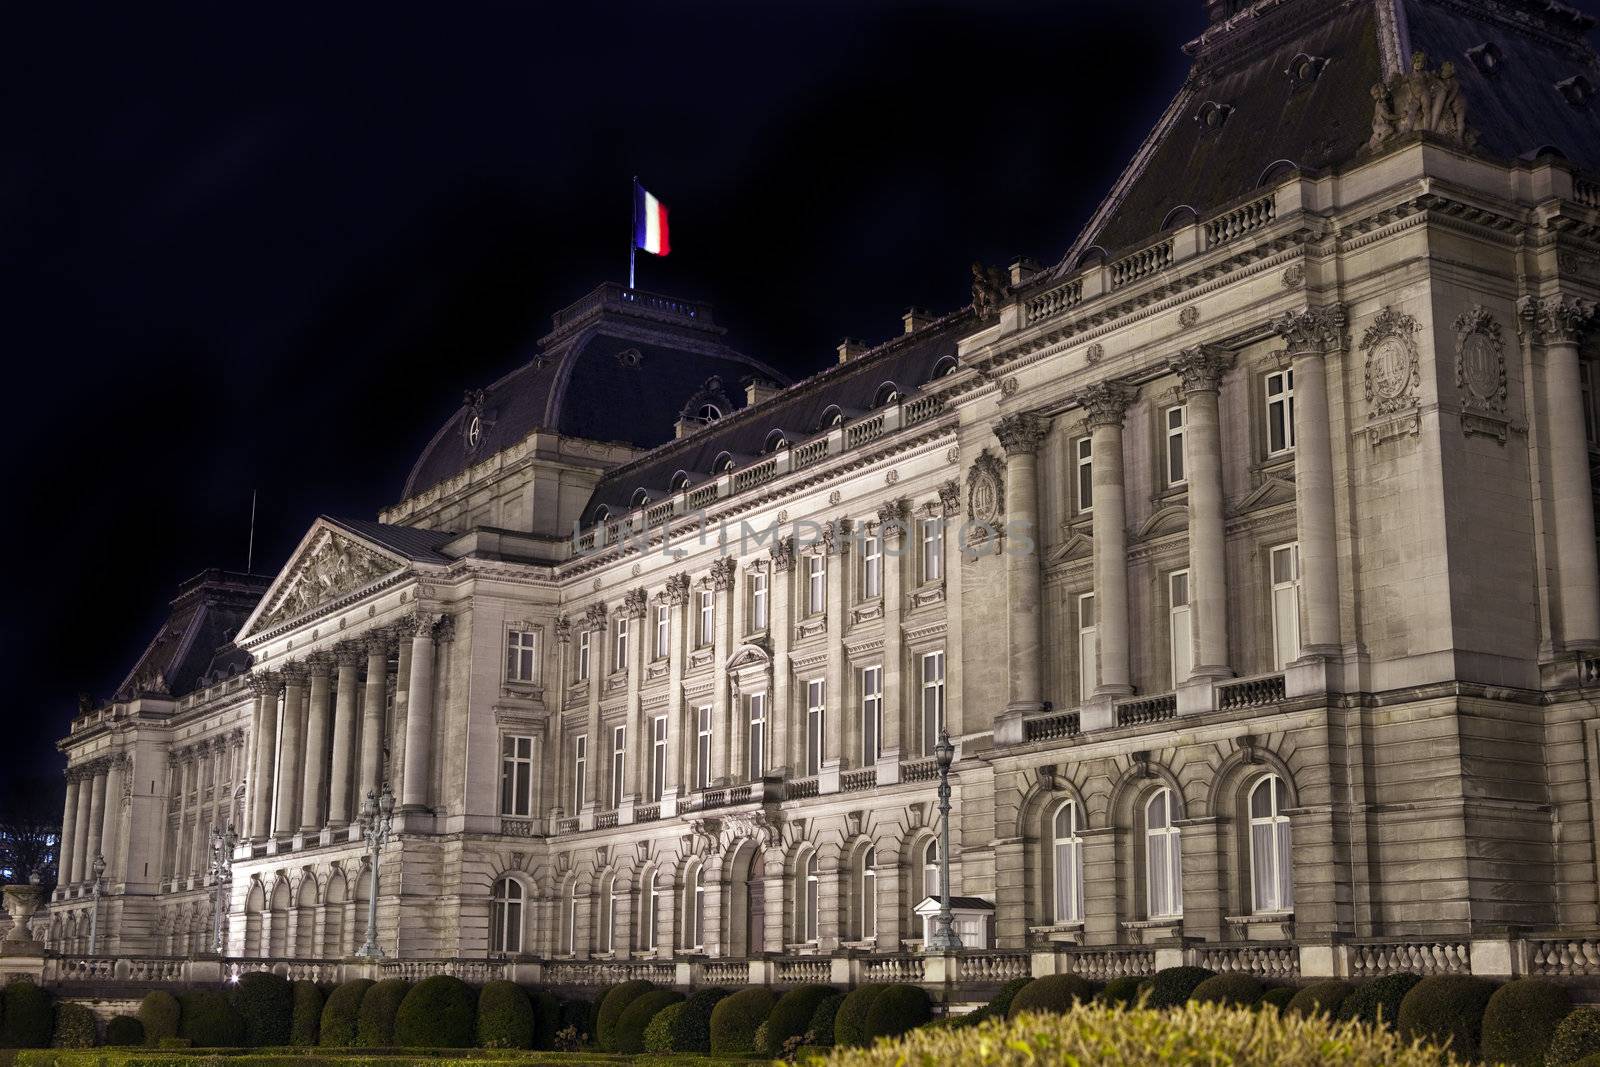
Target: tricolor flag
{"x": 649, "y": 223}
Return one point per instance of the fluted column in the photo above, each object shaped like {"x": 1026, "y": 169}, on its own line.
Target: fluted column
{"x": 419, "y": 716}
{"x": 1558, "y": 326}
{"x": 1309, "y": 336}
{"x": 1104, "y": 405}
{"x": 316, "y": 744}
{"x": 97, "y": 816}
{"x": 67, "y": 850}
{"x": 1201, "y": 370}
{"x": 1020, "y": 434}
{"x": 81, "y": 856}
{"x": 372, "y": 715}
{"x": 344, "y": 734}
{"x": 292, "y": 749}
{"x": 267, "y": 686}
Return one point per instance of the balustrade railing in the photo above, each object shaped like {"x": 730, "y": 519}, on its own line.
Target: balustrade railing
{"x": 1240, "y": 221}
{"x": 1147, "y": 710}
{"x": 1588, "y": 671}
{"x": 1418, "y": 957}
{"x": 868, "y": 429}
{"x": 474, "y": 971}
{"x": 922, "y": 408}
{"x": 922, "y": 770}
{"x": 763, "y": 471}
{"x": 807, "y": 454}
{"x": 647, "y": 813}
{"x": 1142, "y": 264}
{"x": 726, "y": 972}
{"x": 607, "y": 972}
{"x": 893, "y": 969}
{"x": 854, "y": 781}
{"x": 1051, "y": 727}
{"x": 1053, "y": 302}
{"x": 800, "y": 788}
{"x": 803, "y": 971}
{"x": 1564, "y": 956}
{"x": 1104, "y": 964}
{"x": 1269, "y": 961}
{"x": 1251, "y": 692}
{"x": 605, "y": 820}
{"x": 1586, "y": 192}
{"x": 993, "y": 966}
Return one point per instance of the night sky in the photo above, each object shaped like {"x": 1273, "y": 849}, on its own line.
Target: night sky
{"x": 270, "y": 252}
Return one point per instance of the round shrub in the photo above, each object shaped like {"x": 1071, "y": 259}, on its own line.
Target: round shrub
{"x": 1124, "y": 991}
{"x": 791, "y": 1016}
{"x": 1052, "y": 993}
{"x": 628, "y": 1033}
{"x": 819, "y": 1031}
{"x": 375, "y": 1018}
{"x": 337, "y": 1028}
{"x": 1172, "y": 987}
{"x": 576, "y": 1023}
{"x": 124, "y": 1031}
{"x": 1520, "y": 1020}
{"x": 546, "y": 1017}
{"x": 306, "y": 1014}
{"x": 1577, "y": 1037}
{"x": 658, "y": 1035}
{"x": 1320, "y": 998}
{"x": 29, "y": 1017}
{"x": 1378, "y": 1001}
{"x": 850, "y": 1024}
{"x": 1447, "y": 1008}
{"x": 158, "y": 1014}
{"x": 75, "y": 1027}
{"x": 505, "y": 1016}
{"x": 897, "y": 1009}
{"x": 1278, "y": 997}
{"x": 612, "y": 1005}
{"x": 735, "y": 1018}
{"x": 691, "y": 1029}
{"x": 1235, "y": 990}
{"x": 999, "y": 1005}
{"x": 266, "y": 1004}
{"x": 208, "y": 1019}
{"x": 438, "y": 1012}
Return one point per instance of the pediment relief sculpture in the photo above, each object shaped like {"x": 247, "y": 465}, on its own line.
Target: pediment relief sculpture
{"x": 333, "y": 566}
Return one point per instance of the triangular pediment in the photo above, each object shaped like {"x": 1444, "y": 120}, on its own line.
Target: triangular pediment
{"x": 1269, "y": 494}
{"x": 1076, "y": 546}
{"x": 329, "y": 564}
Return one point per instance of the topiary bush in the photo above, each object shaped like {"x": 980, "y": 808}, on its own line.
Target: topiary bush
{"x": 1576, "y": 1038}
{"x": 266, "y": 1004}
{"x": 791, "y": 1016}
{"x": 158, "y": 1014}
{"x": 1320, "y": 997}
{"x": 1520, "y": 1020}
{"x": 28, "y": 1020}
{"x": 691, "y": 1030}
{"x": 577, "y": 1024}
{"x": 305, "y": 1016}
{"x": 1378, "y": 1002}
{"x": 1124, "y": 991}
{"x": 850, "y": 1024}
{"x": 546, "y": 1017}
{"x": 440, "y": 1011}
{"x": 1238, "y": 990}
{"x": 628, "y": 1033}
{"x": 75, "y": 1027}
{"x": 1052, "y": 993}
{"x": 505, "y": 1016}
{"x": 1279, "y": 997}
{"x": 819, "y": 1032}
{"x": 337, "y": 1028}
{"x": 1172, "y": 987}
{"x": 124, "y": 1031}
{"x": 208, "y": 1019}
{"x": 999, "y": 1005}
{"x": 897, "y": 1009}
{"x": 658, "y": 1035}
{"x": 1447, "y": 1009}
{"x": 612, "y": 1005}
{"x": 735, "y": 1018}
{"x": 375, "y": 1018}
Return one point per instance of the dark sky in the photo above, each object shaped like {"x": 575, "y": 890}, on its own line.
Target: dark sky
{"x": 267, "y": 248}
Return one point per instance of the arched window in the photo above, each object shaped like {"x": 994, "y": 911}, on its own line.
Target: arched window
{"x": 505, "y": 917}
{"x": 680, "y": 481}
{"x": 869, "y": 893}
{"x": 831, "y": 417}
{"x": 641, "y": 497}
{"x": 608, "y": 913}
{"x": 569, "y": 923}
{"x": 1271, "y": 862}
{"x": 888, "y": 393}
{"x": 708, "y": 413}
{"x": 945, "y": 366}
{"x": 649, "y": 901}
{"x": 777, "y": 441}
{"x": 694, "y": 910}
{"x": 602, "y": 513}
{"x": 724, "y": 463}
{"x": 1163, "y": 857}
{"x": 809, "y": 898}
{"x": 1067, "y": 859}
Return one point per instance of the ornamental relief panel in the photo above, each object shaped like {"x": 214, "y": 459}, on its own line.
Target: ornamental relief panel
{"x": 1393, "y": 376}
{"x": 333, "y": 566}
{"x": 1480, "y": 361}
{"x": 986, "y": 494}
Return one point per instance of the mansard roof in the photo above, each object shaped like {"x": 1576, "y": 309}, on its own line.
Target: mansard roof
{"x": 194, "y": 643}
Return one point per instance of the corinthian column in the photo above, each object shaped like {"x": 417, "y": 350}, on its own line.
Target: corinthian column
{"x": 291, "y": 753}
{"x": 82, "y": 857}
{"x": 419, "y": 714}
{"x": 1104, "y": 404}
{"x": 97, "y": 814}
{"x": 676, "y": 597}
{"x": 267, "y": 686}
{"x": 67, "y": 849}
{"x": 344, "y": 734}
{"x": 1020, "y": 435}
{"x": 372, "y": 715}
{"x": 1558, "y": 325}
{"x": 317, "y": 715}
{"x": 1201, "y": 370}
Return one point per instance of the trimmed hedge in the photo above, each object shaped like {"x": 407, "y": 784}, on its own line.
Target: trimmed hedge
{"x": 208, "y": 1019}
{"x": 546, "y": 1017}
{"x": 1447, "y": 1008}
{"x": 691, "y": 1030}
{"x": 1052, "y": 993}
{"x": 1172, "y": 987}
{"x": 29, "y": 1017}
{"x": 1238, "y": 990}
{"x": 819, "y": 1032}
{"x": 505, "y": 1016}
{"x": 658, "y": 1035}
{"x": 897, "y": 1009}
{"x": 735, "y": 1018}
{"x": 305, "y": 1026}
{"x": 124, "y": 1031}
{"x": 1577, "y": 1037}
{"x": 76, "y": 1027}
{"x": 999, "y": 1005}
{"x": 1520, "y": 1020}
{"x": 379, "y": 1005}
{"x": 266, "y": 1004}
{"x": 612, "y": 1005}
{"x": 337, "y": 1028}
{"x": 440, "y": 1011}
{"x": 1378, "y": 1001}
{"x": 1320, "y": 998}
{"x": 1279, "y": 997}
{"x": 627, "y": 1035}
{"x": 1124, "y": 991}
{"x": 158, "y": 1014}
{"x": 791, "y": 1016}
{"x": 850, "y": 1024}
{"x": 576, "y": 1024}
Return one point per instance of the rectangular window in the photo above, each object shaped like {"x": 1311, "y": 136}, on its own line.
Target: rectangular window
{"x": 619, "y": 757}
{"x": 708, "y": 617}
{"x": 932, "y": 700}
{"x": 932, "y": 531}
{"x": 872, "y": 567}
{"x": 619, "y": 646}
{"x": 522, "y": 656}
{"x": 583, "y": 656}
{"x": 1084, "y": 450}
{"x": 702, "y": 746}
{"x": 663, "y": 630}
{"x": 758, "y": 735}
{"x": 758, "y": 600}
{"x": 816, "y": 584}
{"x": 580, "y": 770}
{"x": 516, "y": 776}
{"x": 1280, "y": 412}
{"x": 1176, "y": 422}
{"x": 815, "y": 703}
{"x": 1088, "y": 652}
{"x": 871, "y": 715}
{"x": 1285, "y": 605}
{"x": 1179, "y": 628}
{"x": 658, "y": 756}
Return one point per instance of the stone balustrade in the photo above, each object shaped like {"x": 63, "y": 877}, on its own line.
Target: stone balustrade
{"x": 1264, "y": 691}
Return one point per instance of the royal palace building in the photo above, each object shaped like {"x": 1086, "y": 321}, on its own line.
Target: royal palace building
{"x": 1247, "y": 555}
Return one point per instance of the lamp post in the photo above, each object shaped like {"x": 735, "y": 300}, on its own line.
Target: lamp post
{"x": 944, "y": 934}
{"x": 377, "y": 815}
{"x": 223, "y": 841}
{"x": 98, "y": 868}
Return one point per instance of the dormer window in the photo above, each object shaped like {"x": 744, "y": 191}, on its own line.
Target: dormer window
{"x": 724, "y": 463}
{"x": 945, "y": 366}
{"x": 708, "y": 413}
{"x": 602, "y": 513}
{"x": 888, "y": 393}
{"x": 1212, "y": 115}
{"x": 641, "y": 497}
{"x": 1303, "y": 70}
{"x": 1576, "y": 90}
{"x": 833, "y": 416}
{"x": 1486, "y": 57}
{"x": 776, "y": 441}
{"x": 680, "y": 482}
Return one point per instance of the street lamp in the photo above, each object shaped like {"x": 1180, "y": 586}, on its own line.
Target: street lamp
{"x": 377, "y": 815}
{"x": 98, "y": 868}
{"x": 223, "y": 841}
{"x": 944, "y": 934}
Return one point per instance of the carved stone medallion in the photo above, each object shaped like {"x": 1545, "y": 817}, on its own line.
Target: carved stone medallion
{"x": 1480, "y": 361}
{"x": 1392, "y": 362}
{"x": 986, "y": 491}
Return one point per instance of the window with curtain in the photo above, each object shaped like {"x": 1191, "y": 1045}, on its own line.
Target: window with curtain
{"x": 869, "y": 893}
{"x": 1067, "y": 856}
{"x": 809, "y": 897}
{"x": 505, "y": 916}
{"x": 1163, "y": 857}
{"x": 649, "y": 902}
{"x": 608, "y": 914}
{"x": 1271, "y": 858}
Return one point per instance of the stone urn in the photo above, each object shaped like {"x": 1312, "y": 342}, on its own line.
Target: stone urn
{"x": 21, "y": 902}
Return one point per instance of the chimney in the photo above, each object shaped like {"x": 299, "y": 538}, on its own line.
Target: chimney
{"x": 916, "y": 318}
{"x": 758, "y": 389}
{"x": 849, "y": 349}
{"x": 1023, "y": 268}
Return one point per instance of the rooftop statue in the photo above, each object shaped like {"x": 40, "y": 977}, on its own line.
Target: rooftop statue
{"x": 1422, "y": 100}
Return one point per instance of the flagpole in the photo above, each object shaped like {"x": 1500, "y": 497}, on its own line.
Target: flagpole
{"x": 633, "y": 241}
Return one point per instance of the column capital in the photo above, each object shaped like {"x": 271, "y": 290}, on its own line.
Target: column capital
{"x": 1021, "y": 432}
{"x": 1554, "y": 320}
{"x": 1312, "y": 331}
{"x": 1201, "y": 368}
{"x": 836, "y": 537}
{"x": 892, "y": 516}
{"x": 378, "y": 642}
{"x": 564, "y": 628}
{"x": 294, "y": 673}
{"x": 782, "y": 553}
{"x": 444, "y": 628}
{"x": 411, "y": 625}
{"x": 351, "y": 653}
{"x": 677, "y": 591}
{"x": 722, "y": 572}
{"x": 950, "y": 498}
{"x": 633, "y": 603}
{"x": 265, "y": 683}
{"x": 1104, "y": 403}
{"x": 318, "y": 664}
{"x": 594, "y": 616}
